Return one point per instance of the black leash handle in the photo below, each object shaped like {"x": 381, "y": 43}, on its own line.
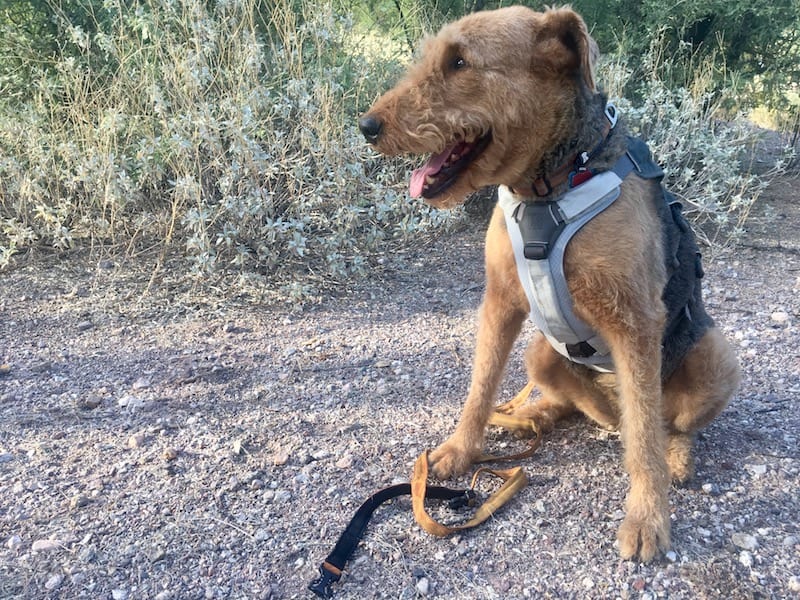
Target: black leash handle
{"x": 331, "y": 568}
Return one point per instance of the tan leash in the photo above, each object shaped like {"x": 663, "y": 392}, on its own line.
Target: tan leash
{"x": 514, "y": 480}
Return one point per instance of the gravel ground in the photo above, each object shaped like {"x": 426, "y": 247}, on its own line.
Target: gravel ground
{"x": 169, "y": 444}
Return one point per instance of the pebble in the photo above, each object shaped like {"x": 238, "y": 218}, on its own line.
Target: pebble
{"x": 757, "y": 470}
{"x": 77, "y": 501}
{"x": 744, "y": 541}
{"x": 423, "y": 586}
{"x": 282, "y": 496}
{"x": 53, "y": 582}
{"x": 780, "y": 316}
{"x": 746, "y": 558}
{"x": 141, "y": 384}
{"x": 345, "y": 462}
{"x": 166, "y": 595}
{"x": 5, "y": 369}
{"x": 119, "y": 594}
{"x": 45, "y": 545}
{"x": 671, "y": 556}
{"x": 6, "y": 457}
{"x": 789, "y": 541}
{"x": 84, "y": 326}
{"x": 794, "y": 583}
{"x": 169, "y": 454}
{"x": 13, "y": 542}
{"x": 710, "y": 488}
{"x": 136, "y": 440}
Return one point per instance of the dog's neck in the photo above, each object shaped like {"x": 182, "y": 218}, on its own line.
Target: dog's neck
{"x": 591, "y": 141}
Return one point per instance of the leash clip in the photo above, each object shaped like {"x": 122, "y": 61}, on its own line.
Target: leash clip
{"x": 468, "y": 498}
{"x": 322, "y": 585}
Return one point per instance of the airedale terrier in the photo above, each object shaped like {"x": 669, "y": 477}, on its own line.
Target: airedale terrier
{"x": 508, "y": 97}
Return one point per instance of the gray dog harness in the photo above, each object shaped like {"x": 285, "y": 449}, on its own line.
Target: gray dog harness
{"x": 540, "y": 232}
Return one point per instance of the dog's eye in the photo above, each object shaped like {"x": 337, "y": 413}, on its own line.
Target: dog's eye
{"x": 458, "y": 63}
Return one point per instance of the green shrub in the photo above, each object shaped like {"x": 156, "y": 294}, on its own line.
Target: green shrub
{"x": 237, "y": 144}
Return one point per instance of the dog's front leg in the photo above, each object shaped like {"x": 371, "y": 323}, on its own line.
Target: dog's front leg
{"x": 502, "y": 314}
{"x": 497, "y": 330}
{"x": 645, "y": 529}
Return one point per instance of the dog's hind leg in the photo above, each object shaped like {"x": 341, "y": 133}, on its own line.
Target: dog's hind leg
{"x": 696, "y": 393}
{"x": 502, "y": 314}
{"x": 562, "y": 391}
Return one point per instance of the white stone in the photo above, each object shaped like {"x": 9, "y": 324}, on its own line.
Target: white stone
{"x": 794, "y": 583}
{"x": 45, "y": 545}
{"x": 746, "y": 558}
{"x": 13, "y": 542}
{"x": 780, "y": 316}
{"x": 423, "y": 586}
{"x": 119, "y": 594}
{"x": 744, "y": 541}
{"x": 53, "y": 582}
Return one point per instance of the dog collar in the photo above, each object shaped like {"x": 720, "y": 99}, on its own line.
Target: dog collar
{"x": 574, "y": 171}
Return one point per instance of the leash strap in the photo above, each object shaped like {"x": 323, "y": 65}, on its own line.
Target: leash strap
{"x": 514, "y": 479}
{"x": 331, "y": 568}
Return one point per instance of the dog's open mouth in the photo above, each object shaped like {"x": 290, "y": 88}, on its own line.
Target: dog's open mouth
{"x": 442, "y": 170}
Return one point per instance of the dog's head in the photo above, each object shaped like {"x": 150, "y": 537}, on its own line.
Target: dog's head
{"x": 491, "y": 95}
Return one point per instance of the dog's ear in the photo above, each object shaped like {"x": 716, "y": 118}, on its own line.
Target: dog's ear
{"x": 564, "y": 43}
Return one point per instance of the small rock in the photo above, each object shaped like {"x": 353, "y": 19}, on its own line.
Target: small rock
{"x": 90, "y": 402}
{"x": 794, "y": 583}
{"x": 156, "y": 554}
{"x": 119, "y": 594}
{"x": 345, "y": 462}
{"x": 53, "y": 582}
{"x": 418, "y": 573}
{"x": 757, "y": 470}
{"x": 166, "y": 595}
{"x": 237, "y": 447}
{"x": 789, "y": 541}
{"x": 423, "y": 586}
{"x": 45, "y": 545}
{"x": 588, "y": 583}
{"x": 5, "y": 369}
{"x": 746, "y": 558}
{"x": 280, "y": 458}
{"x": 13, "y": 542}
{"x": 671, "y": 556}
{"x": 320, "y": 454}
{"x": 710, "y": 488}
{"x": 106, "y": 264}
{"x": 638, "y": 584}
{"x": 84, "y": 326}
{"x": 77, "y": 501}
{"x": 169, "y": 454}
{"x": 6, "y": 457}
{"x": 136, "y": 440}
{"x": 141, "y": 384}
{"x": 282, "y": 496}
{"x": 744, "y": 541}
{"x": 780, "y": 316}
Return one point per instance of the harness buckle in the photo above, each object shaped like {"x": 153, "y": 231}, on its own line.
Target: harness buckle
{"x": 536, "y": 250}
{"x": 322, "y": 585}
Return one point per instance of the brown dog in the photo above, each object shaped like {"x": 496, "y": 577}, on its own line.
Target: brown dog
{"x": 508, "y": 97}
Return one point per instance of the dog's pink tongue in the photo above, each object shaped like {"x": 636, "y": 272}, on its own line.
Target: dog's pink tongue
{"x": 433, "y": 166}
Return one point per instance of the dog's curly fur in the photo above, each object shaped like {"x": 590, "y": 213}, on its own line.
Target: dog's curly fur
{"x": 523, "y": 82}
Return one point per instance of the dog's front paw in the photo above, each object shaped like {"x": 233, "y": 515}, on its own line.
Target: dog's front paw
{"x": 451, "y": 458}
{"x": 644, "y": 537}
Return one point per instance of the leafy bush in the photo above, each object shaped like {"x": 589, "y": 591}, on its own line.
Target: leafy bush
{"x": 239, "y": 145}
{"x": 706, "y": 157}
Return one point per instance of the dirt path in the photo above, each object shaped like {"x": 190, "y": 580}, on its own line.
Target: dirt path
{"x": 185, "y": 447}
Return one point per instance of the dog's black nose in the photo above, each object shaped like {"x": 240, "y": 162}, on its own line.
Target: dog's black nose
{"x": 370, "y": 127}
